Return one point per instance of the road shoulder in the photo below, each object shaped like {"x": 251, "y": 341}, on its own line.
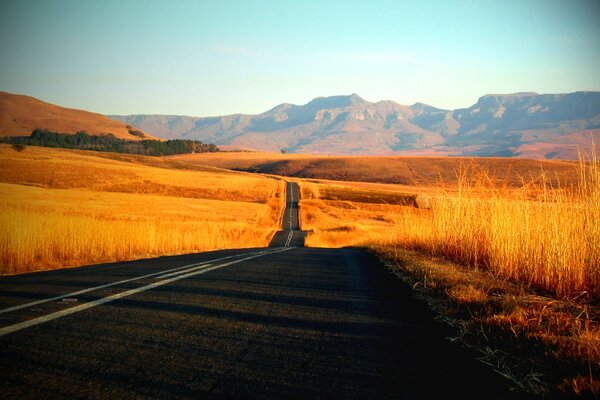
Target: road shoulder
{"x": 543, "y": 346}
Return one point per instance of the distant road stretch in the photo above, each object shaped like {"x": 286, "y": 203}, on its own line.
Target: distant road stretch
{"x": 290, "y": 236}
{"x": 279, "y": 322}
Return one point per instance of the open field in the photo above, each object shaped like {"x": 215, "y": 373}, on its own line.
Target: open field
{"x": 64, "y": 208}
{"x": 539, "y": 234}
{"x": 509, "y": 259}
{"x": 408, "y": 171}
{"x": 527, "y": 220}
{"x": 533, "y": 250}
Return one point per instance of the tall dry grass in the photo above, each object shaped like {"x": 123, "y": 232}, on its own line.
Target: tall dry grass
{"x": 63, "y": 208}
{"x": 541, "y": 233}
{"x": 31, "y": 240}
{"x": 544, "y": 233}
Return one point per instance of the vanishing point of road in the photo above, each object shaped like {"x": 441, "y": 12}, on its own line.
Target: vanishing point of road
{"x": 280, "y": 322}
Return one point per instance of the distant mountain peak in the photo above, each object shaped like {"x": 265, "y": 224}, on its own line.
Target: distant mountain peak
{"x": 425, "y": 107}
{"x": 336, "y": 101}
{"x": 357, "y": 99}
{"x": 499, "y": 97}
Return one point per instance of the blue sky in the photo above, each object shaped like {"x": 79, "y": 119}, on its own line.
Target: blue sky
{"x": 221, "y": 57}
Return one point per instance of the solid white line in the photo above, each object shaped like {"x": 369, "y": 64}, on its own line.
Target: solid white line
{"x": 185, "y": 271}
{"x": 200, "y": 266}
{"x": 34, "y": 303}
{"x": 72, "y": 310}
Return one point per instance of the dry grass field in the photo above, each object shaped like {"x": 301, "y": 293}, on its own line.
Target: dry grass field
{"x": 540, "y": 234}
{"x": 409, "y": 171}
{"x": 65, "y": 208}
{"x": 508, "y": 251}
{"x": 533, "y": 221}
{"x": 533, "y": 251}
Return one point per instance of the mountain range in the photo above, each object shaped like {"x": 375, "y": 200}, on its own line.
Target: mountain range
{"x": 521, "y": 124}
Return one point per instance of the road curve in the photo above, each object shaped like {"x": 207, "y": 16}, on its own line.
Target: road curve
{"x": 281, "y": 322}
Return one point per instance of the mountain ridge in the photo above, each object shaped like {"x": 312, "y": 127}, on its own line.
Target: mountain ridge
{"x": 522, "y": 124}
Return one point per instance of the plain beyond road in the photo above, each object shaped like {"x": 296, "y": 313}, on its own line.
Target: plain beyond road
{"x": 284, "y": 322}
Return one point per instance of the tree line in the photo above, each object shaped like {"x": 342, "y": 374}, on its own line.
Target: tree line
{"x": 84, "y": 141}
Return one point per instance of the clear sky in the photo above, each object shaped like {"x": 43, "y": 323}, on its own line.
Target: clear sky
{"x": 220, "y": 57}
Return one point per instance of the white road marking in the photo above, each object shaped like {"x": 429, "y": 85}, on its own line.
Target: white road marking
{"x": 196, "y": 268}
{"x": 104, "y": 300}
{"x": 291, "y": 217}
{"x": 72, "y": 294}
{"x": 289, "y": 239}
{"x": 185, "y": 271}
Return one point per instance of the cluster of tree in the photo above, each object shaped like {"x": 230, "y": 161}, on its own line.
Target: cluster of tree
{"x": 84, "y": 141}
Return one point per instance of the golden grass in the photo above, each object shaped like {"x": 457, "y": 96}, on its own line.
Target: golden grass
{"x": 342, "y": 222}
{"x": 517, "y": 240}
{"x": 65, "y": 208}
{"x": 551, "y": 242}
{"x": 542, "y": 345}
{"x": 544, "y": 236}
{"x": 20, "y": 115}
{"x": 410, "y": 171}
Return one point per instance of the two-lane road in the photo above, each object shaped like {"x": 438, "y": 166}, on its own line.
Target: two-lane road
{"x": 291, "y": 235}
{"x": 280, "y": 322}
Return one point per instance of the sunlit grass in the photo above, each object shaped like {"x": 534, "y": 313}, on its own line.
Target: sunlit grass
{"x": 537, "y": 234}
{"x": 31, "y": 240}
{"x": 66, "y": 208}
{"x": 482, "y": 250}
{"x": 548, "y": 237}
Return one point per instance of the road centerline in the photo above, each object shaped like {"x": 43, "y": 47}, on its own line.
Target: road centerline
{"x": 40, "y": 320}
{"x": 91, "y": 289}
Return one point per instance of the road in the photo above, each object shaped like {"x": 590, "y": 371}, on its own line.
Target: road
{"x": 279, "y": 322}
{"x": 290, "y": 235}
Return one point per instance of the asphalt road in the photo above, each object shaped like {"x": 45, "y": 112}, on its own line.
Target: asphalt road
{"x": 280, "y": 322}
{"x": 290, "y": 236}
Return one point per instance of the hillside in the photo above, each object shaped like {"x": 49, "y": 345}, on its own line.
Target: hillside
{"x": 409, "y": 171}
{"x": 513, "y": 125}
{"x": 20, "y": 115}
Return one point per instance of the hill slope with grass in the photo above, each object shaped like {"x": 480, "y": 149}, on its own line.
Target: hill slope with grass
{"x": 20, "y": 115}
{"x": 430, "y": 171}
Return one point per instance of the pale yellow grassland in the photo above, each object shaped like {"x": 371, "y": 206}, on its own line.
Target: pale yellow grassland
{"x": 536, "y": 236}
{"x": 66, "y": 208}
{"x": 549, "y": 237}
{"x": 339, "y": 223}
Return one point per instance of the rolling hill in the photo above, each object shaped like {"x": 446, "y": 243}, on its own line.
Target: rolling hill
{"x": 20, "y": 115}
{"x": 520, "y": 124}
{"x": 398, "y": 170}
